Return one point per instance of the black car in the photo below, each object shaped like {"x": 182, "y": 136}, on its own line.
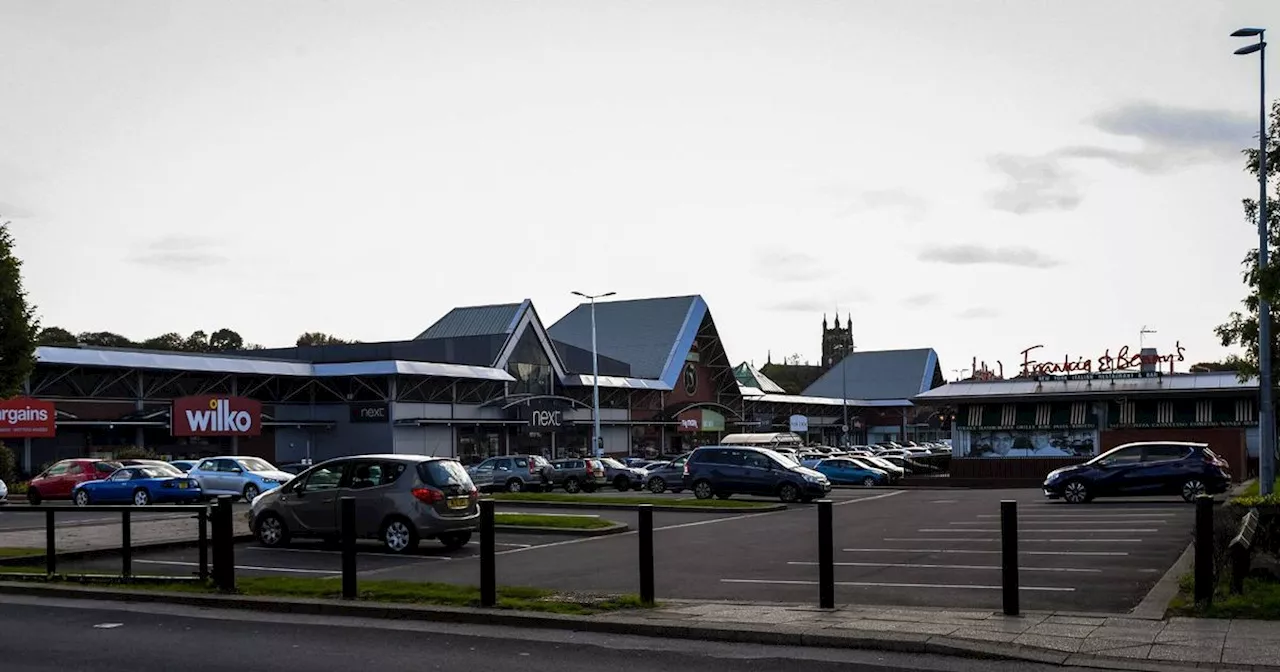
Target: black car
{"x": 723, "y": 471}
{"x": 1139, "y": 469}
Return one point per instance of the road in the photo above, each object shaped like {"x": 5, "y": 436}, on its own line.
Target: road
{"x": 53, "y": 635}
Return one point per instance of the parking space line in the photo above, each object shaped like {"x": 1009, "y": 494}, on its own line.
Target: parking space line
{"x": 289, "y": 570}
{"x": 1038, "y": 516}
{"x": 914, "y": 565}
{"x": 1020, "y": 540}
{"x": 870, "y": 584}
{"x": 317, "y": 550}
{"x": 1070, "y": 522}
{"x": 973, "y": 551}
{"x": 871, "y": 498}
{"x": 1033, "y": 531}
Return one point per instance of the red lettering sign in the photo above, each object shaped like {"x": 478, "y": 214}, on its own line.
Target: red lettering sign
{"x": 1105, "y": 363}
{"x": 216, "y": 415}
{"x": 27, "y": 418}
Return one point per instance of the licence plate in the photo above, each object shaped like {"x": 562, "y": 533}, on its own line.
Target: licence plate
{"x": 459, "y": 502}
{"x": 182, "y": 485}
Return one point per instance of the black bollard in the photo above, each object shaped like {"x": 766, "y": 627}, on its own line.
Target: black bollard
{"x": 488, "y": 566}
{"x": 126, "y": 546}
{"x": 202, "y": 522}
{"x": 1009, "y": 555}
{"x": 1204, "y": 549}
{"x": 348, "y": 510}
{"x": 224, "y": 550}
{"x": 646, "y": 553}
{"x": 50, "y": 545}
{"x": 826, "y": 556}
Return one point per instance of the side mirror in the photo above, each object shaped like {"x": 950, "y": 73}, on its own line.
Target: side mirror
{"x": 237, "y": 470}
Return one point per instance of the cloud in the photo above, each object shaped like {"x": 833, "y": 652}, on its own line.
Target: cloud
{"x": 789, "y": 266}
{"x": 971, "y": 255}
{"x": 920, "y": 300}
{"x": 10, "y": 211}
{"x": 1033, "y": 184}
{"x": 180, "y": 252}
{"x": 977, "y": 313}
{"x": 912, "y": 204}
{"x": 817, "y": 304}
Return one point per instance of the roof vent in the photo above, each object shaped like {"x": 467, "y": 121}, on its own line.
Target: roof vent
{"x": 1149, "y": 358}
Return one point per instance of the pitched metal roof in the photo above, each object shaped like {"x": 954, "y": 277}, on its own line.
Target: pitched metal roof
{"x": 477, "y": 321}
{"x": 652, "y": 335}
{"x": 1215, "y": 382}
{"x": 752, "y": 377}
{"x": 882, "y": 374}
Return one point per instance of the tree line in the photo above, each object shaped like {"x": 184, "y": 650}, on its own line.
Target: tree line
{"x": 221, "y": 340}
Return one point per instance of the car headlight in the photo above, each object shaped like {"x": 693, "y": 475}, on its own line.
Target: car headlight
{"x": 812, "y": 478}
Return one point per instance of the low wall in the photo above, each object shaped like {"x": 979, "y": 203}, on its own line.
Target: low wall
{"x": 1029, "y": 470}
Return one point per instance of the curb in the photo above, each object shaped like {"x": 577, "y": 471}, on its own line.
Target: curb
{"x": 763, "y": 508}
{"x": 616, "y": 528}
{"x": 113, "y": 550}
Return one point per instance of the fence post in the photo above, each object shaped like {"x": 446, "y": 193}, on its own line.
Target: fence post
{"x": 1204, "y": 549}
{"x": 348, "y": 510}
{"x": 1009, "y": 555}
{"x": 224, "y": 552}
{"x": 646, "y": 553}
{"x": 202, "y": 522}
{"x": 826, "y": 556}
{"x": 126, "y": 546}
{"x": 488, "y": 567}
{"x": 50, "y": 545}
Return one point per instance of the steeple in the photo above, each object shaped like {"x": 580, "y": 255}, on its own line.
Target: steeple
{"x": 824, "y": 321}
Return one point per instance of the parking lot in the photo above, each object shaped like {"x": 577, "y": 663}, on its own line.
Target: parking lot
{"x": 894, "y": 547}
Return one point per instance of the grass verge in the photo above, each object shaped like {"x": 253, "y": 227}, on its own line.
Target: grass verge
{"x": 552, "y": 522}
{"x": 1252, "y": 497}
{"x": 404, "y": 592}
{"x": 604, "y": 499}
{"x": 11, "y": 552}
{"x": 1260, "y": 600}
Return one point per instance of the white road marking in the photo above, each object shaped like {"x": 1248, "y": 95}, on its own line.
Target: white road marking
{"x": 108, "y": 626}
{"x": 1085, "y": 515}
{"x": 500, "y": 514}
{"x": 944, "y": 501}
{"x": 868, "y": 499}
{"x": 498, "y": 543}
{"x": 914, "y": 565}
{"x": 324, "y": 552}
{"x": 1023, "y": 529}
{"x": 1072, "y": 522}
{"x": 1020, "y": 540}
{"x": 869, "y": 584}
{"x": 289, "y": 570}
{"x": 975, "y": 551}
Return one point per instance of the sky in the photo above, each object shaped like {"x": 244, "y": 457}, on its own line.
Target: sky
{"x": 977, "y": 177}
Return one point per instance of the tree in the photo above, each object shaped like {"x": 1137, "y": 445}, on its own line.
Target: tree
{"x": 1206, "y": 367}
{"x": 198, "y": 341}
{"x": 8, "y": 465}
{"x": 1241, "y": 328}
{"x": 170, "y": 341}
{"x": 18, "y": 323}
{"x": 56, "y": 336}
{"x": 319, "y": 338}
{"x": 104, "y": 339}
{"x": 224, "y": 339}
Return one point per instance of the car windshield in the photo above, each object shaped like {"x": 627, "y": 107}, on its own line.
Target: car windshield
{"x": 159, "y": 471}
{"x": 254, "y": 464}
{"x": 444, "y": 472}
{"x": 1106, "y": 455}
{"x": 612, "y": 463}
{"x": 781, "y": 458}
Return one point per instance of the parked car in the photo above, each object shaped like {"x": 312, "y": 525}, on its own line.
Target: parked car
{"x": 238, "y": 476}
{"x": 63, "y": 476}
{"x": 895, "y": 472}
{"x": 512, "y": 473}
{"x": 665, "y": 476}
{"x": 621, "y": 476}
{"x": 847, "y": 472}
{"x": 4, "y": 493}
{"x": 574, "y": 474}
{"x": 723, "y": 471}
{"x": 294, "y": 468}
{"x": 400, "y": 499}
{"x": 185, "y": 465}
{"x": 1144, "y": 468}
{"x": 140, "y": 485}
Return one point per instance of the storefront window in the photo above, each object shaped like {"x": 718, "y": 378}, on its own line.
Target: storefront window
{"x": 476, "y": 444}
{"x": 530, "y": 366}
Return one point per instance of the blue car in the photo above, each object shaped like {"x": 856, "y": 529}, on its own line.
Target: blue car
{"x": 139, "y": 485}
{"x": 1143, "y": 469}
{"x": 847, "y": 472}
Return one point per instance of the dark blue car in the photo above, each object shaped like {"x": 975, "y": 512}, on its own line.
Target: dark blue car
{"x": 158, "y": 484}
{"x": 1139, "y": 469}
{"x": 723, "y": 471}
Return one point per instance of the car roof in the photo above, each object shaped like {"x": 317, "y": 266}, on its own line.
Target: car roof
{"x": 1194, "y": 444}
{"x": 397, "y": 457}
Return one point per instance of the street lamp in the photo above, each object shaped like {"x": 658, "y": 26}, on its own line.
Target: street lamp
{"x": 596, "y": 444}
{"x": 1266, "y": 427}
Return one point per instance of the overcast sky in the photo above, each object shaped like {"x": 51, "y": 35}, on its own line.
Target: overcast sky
{"x": 976, "y": 176}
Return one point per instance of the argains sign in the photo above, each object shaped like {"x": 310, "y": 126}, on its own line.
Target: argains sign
{"x": 26, "y": 418}
{"x": 216, "y": 415}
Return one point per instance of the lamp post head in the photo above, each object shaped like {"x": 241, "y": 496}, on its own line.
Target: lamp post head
{"x": 1256, "y": 46}
{"x": 1248, "y": 32}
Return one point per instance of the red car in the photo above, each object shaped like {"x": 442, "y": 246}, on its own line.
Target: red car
{"x": 61, "y": 477}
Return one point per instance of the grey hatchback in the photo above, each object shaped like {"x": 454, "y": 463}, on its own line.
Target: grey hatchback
{"x": 399, "y": 500}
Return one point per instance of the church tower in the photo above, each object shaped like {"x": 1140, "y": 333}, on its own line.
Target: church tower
{"x": 837, "y": 342}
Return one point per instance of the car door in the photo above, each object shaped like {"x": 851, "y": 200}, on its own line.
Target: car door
{"x": 67, "y": 481}
{"x": 232, "y": 477}
{"x": 369, "y": 482}
{"x": 1165, "y": 468}
{"x": 482, "y": 474}
{"x": 755, "y": 476}
{"x": 116, "y": 488}
{"x": 206, "y": 473}
{"x": 1120, "y": 472}
{"x": 49, "y": 480}
{"x": 312, "y": 505}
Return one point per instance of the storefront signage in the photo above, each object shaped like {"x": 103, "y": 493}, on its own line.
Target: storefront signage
{"x": 27, "y": 418}
{"x": 213, "y": 415}
{"x": 799, "y": 423}
{"x": 700, "y": 420}
{"x": 545, "y": 419}
{"x": 370, "y": 412}
{"x": 1124, "y": 359}
{"x": 543, "y": 414}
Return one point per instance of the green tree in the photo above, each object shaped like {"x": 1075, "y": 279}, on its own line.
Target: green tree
{"x": 224, "y": 339}
{"x": 198, "y": 341}
{"x": 170, "y": 341}
{"x": 56, "y": 336}
{"x": 319, "y": 338}
{"x": 18, "y": 323}
{"x": 1206, "y": 367}
{"x": 1241, "y": 328}
{"x": 104, "y": 339}
{"x": 8, "y": 465}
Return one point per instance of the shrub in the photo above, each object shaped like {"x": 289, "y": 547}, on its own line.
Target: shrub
{"x": 8, "y": 465}
{"x": 135, "y": 453}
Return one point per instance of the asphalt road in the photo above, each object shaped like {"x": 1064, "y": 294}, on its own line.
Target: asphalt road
{"x": 43, "y": 635}
{"x": 15, "y": 517}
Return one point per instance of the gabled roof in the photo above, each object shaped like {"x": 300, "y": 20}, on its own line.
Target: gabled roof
{"x": 651, "y": 335}
{"x": 883, "y": 374}
{"x": 1198, "y": 383}
{"x": 476, "y": 321}
{"x": 751, "y": 377}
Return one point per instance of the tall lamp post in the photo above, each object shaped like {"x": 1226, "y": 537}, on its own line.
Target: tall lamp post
{"x": 597, "y": 446}
{"x": 1266, "y": 426}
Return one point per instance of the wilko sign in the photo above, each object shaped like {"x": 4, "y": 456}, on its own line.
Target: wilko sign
{"x": 212, "y": 415}
{"x": 26, "y": 418}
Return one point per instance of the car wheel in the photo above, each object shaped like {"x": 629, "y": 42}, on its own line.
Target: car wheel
{"x": 868, "y": 481}
{"x": 399, "y": 536}
{"x": 82, "y": 498}
{"x": 622, "y": 484}
{"x": 34, "y": 497}
{"x": 571, "y": 485}
{"x": 657, "y": 486}
{"x": 515, "y": 485}
{"x": 455, "y": 540}
{"x": 250, "y": 492}
{"x": 1075, "y": 492}
{"x": 788, "y": 493}
{"x": 141, "y": 497}
{"x": 271, "y": 531}
{"x": 1193, "y": 488}
{"x": 702, "y": 490}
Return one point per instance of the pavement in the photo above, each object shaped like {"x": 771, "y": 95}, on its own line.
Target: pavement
{"x": 81, "y": 530}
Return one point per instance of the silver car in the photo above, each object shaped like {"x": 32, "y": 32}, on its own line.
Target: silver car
{"x": 400, "y": 499}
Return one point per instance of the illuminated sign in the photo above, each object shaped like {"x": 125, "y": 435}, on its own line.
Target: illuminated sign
{"x": 1104, "y": 363}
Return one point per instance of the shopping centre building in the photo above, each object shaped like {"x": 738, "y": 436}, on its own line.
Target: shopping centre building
{"x": 481, "y": 380}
